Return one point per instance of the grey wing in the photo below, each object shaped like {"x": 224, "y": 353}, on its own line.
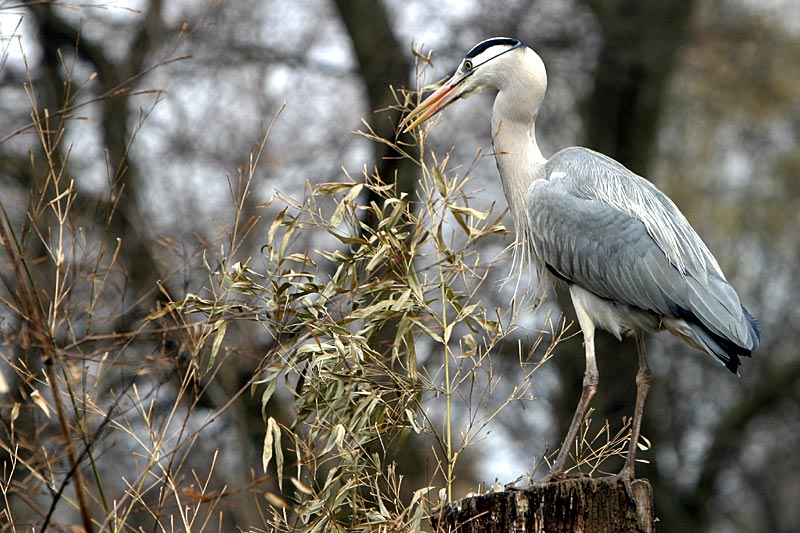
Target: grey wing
{"x": 594, "y": 176}
{"x": 588, "y": 240}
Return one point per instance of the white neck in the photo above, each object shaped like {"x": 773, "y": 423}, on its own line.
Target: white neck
{"x": 519, "y": 159}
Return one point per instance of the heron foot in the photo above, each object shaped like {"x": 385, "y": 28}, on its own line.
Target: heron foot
{"x": 553, "y": 476}
{"x": 560, "y": 475}
{"x": 627, "y": 477}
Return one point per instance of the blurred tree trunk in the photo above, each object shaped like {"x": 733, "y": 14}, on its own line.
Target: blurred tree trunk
{"x": 57, "y": 34}
{"x": 383, "y": 63}
{"x": 640, "y": 42}
{"x": 383, "y": 66}
{"x": 62, "y": 44}
{"x": 125, "y": 220}
{"x": 695, "y": 510}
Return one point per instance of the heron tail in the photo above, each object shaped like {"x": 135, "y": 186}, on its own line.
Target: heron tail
{"x": 723, "y": 348}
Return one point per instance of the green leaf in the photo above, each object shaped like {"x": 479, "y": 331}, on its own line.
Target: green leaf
{"x": 273, "y": 448}
{"x": 399, "y": 207}
{"x": 269, "y": 389}
{"x": 326, "y": 189}
{"x": 376, "y": 259}
{"x": 448, "y": 331}
{"x": 221, "y": 326}
{"x": 438, "y": 179}
{"x": 480, "y": 215}
{"x": 278, "y": 222}
{"x": 414, "y": 285}
{"x": 335, "y": 439}
{"x": 338, "y": 214}
{"x": 354, "y": 192}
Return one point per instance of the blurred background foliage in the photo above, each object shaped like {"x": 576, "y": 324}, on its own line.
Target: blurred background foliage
{"x": 154, "y": 156}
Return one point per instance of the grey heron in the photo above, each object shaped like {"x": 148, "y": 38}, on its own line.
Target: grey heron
{"x": 630, "y": 259}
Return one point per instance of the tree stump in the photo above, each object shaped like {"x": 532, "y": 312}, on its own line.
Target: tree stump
{"x": 579, "y": 505}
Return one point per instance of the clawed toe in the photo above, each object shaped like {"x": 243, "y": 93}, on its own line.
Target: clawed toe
{"x": 554, "y": 475}
{"x": 627, "y": 477}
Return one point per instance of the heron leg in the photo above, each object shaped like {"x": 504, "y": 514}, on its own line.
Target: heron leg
{"x": 643, "y": 379}
{"x": 590, "y": 380}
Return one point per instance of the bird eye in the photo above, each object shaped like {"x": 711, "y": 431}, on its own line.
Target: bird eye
{"x": 468, "y": 64}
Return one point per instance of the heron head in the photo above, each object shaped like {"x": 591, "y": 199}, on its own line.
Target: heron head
{"x": 486, "y": 65}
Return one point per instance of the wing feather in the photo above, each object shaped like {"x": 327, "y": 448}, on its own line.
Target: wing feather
{"x": 602, "y": 227}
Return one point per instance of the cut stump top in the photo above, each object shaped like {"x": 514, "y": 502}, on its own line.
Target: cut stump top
{"x": 575, "y": 505}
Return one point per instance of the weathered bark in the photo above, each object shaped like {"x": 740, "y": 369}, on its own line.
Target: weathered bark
{"x": 584, "y": 505}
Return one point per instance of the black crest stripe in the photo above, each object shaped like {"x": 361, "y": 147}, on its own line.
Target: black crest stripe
{"x": 480, "y": 47}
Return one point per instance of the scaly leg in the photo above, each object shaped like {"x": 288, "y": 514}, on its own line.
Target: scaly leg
{"x": 643, "y": 379}
{"x": 590, "y": 380}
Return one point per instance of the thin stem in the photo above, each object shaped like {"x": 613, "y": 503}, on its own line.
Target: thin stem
{"x": 447, "y": 413}
{"x": 80, "y": 492}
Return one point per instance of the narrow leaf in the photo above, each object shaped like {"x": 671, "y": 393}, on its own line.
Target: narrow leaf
{"x": 221, "y": 326}
{"x": 40, "y": 403}
{"x": 272, "y": 448}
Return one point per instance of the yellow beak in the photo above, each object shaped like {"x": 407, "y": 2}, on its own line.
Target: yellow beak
{"x": 440, "y": 99}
